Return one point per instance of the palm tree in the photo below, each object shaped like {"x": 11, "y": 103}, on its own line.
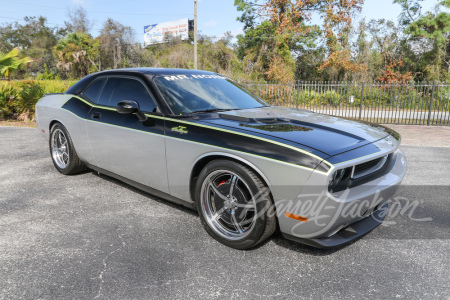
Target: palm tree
{"x": 75, "y": 53}
{"x": 10, "y": 62}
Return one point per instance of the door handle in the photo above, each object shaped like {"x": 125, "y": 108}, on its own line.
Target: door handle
{"x": 96, "y": 116}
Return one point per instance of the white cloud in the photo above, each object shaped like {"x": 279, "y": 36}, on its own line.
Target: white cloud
{"x": 211, "y": 23}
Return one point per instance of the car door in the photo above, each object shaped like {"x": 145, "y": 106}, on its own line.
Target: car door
{"x": 120, "y": 143}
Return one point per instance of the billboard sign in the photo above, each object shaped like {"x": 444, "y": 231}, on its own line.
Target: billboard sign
{"x": 157, "y": 33}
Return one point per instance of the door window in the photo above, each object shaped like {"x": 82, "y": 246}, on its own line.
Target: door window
{"x": 117, "y": 89}
{"x": 93, "y": 91}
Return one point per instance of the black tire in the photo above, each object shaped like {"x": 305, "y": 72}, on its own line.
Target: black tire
{"x": 74, "y": 164}
{"x": 263, "y": 218}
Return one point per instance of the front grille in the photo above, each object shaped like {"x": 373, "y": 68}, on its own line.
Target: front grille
{"x": 367, "y": 165}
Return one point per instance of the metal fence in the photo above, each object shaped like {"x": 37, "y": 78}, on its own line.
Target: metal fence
{"x": 425, "y": 103}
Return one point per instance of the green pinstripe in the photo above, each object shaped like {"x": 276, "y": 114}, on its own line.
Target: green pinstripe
{"x": 219, "y": 129}
{"x": 170, "y": 137}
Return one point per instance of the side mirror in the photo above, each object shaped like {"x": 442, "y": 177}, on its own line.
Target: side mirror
{"x": 130, "y": 107}
{"x": 127, "y": 107}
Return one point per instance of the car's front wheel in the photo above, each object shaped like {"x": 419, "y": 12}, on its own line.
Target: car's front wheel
{"x": 63, "y": 152}
{"x": 234, "y": 204}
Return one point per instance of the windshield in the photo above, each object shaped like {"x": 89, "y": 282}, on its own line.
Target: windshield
{"x": 186, "y": 94}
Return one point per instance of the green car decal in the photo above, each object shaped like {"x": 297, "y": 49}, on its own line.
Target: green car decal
{"x": 180, "y": 129}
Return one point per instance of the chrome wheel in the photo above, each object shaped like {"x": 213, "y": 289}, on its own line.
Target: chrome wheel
{"x": 228, "y": 204}
{"x": 60, "y": 148}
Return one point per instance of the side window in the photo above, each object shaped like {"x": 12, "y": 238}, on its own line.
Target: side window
{"x": 118, "y": 89}
{"x": 93, "y": 91}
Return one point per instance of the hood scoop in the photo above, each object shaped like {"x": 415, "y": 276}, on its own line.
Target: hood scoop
{"x": 272, "y": 120}
{"x": 237, "y": 118}
{"x": 254, "y": 120}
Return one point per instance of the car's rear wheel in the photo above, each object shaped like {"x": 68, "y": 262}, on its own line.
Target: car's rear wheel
{"x": 63, "y": 152}
{"x": 234, "y": 204}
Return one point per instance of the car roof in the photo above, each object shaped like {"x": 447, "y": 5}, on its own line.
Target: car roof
{"x": 84, "y": 82}
{"x": 158, "y": 71}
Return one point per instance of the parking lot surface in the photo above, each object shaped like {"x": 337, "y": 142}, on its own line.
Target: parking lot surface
{"x": 89, "y": 236}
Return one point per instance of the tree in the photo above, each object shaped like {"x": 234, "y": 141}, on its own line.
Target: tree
{"x": 411, "y": 11}
{"x": 363, "y": 52}
{"x": 308, "y": 62}
{"x": 226, "y": 40}
{"x": 275, "y": 30}
{"x": 35, "y": 39}
{"x": 278, "y": 30}
{"x": 78, "y": 20}
{"x": 435, "y": 27}
{"x": 392, "y": 76}
{"x": 385, "y": 35}
{"x": 10, "y": 62}
{"x": 116, "y": 42}
{"x": 337, "y": 15}
{"x": 385, "y": 45}
{"x": 76, "y": 54}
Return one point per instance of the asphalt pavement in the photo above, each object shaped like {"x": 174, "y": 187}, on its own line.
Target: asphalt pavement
{"x": 89, "y": 236}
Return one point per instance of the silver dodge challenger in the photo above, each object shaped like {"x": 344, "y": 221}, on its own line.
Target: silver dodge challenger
{"x": 201, "y": 140}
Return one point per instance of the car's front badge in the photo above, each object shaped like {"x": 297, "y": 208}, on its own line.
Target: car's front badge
{"x": 180, "y": 129}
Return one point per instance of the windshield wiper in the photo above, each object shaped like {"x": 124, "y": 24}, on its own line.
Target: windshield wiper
{"x": 210, "y": 110}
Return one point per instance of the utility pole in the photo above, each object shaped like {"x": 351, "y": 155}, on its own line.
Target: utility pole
{"x": 195, "y": 34}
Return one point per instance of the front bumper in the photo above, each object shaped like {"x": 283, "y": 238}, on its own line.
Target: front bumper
{"x": 347, "y": 234}
{"x": 329, "y": 220}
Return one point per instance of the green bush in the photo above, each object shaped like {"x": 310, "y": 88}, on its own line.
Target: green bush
{"x": 18, "y": 98}
{"x": 8, "y": 96}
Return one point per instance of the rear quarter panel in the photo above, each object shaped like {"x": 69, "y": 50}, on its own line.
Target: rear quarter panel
{"x": 48, "y": 110}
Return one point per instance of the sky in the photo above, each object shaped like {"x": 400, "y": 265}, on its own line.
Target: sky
{"x": 215, "y": 17}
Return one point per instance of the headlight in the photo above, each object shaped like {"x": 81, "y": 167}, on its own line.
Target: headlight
{"x": 339, "y": 177}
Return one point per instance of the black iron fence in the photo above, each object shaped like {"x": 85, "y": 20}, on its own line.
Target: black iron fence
{"x": 425, "y": 103}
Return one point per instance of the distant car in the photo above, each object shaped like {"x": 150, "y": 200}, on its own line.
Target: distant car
{"x": 201, "y": 140}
